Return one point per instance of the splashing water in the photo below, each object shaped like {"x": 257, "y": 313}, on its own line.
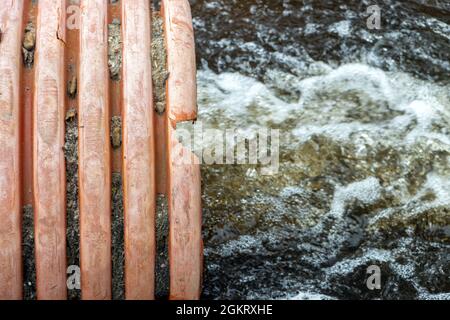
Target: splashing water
{"x": 364, "y": 175}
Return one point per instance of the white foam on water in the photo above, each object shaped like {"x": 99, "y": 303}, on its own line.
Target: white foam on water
{"x": 439, "y": 185}
{"x": 234, "y": 94}
{"x": 421, "y": 104}
{"x": 367, "y": 191}
{"x": 248, "y": 102}
{"x": 347, "y": 266}
{"x": 425, "y": 113}
{"x": 434, "y": 296}
{"x": 340, "y": 132}
{"x": 310, "y": 28}
{"x": 243, "y": 244}
{"x": 342, "y": 28}
{"x": 354, "y": 76}
{"x": 309, "y": 296}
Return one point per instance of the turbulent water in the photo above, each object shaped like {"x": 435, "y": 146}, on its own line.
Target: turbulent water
{"x": 364, "y": 173}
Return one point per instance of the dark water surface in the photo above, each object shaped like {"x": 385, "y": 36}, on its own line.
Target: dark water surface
{"x": 364, "y": 120}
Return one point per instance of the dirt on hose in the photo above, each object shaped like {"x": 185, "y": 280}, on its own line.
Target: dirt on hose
{"x": 72, "y": 204}
{"x": 118, "y": 256}
{"x": 29, "y": 45}
{"x": 162, "y": 248}
{"x": 159, "y": 62}
{"x": 116, "y": 132}
{"x": 72, "y": 87}
{"x": 114, "y": 49}
{"x": 29, "y": 263}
